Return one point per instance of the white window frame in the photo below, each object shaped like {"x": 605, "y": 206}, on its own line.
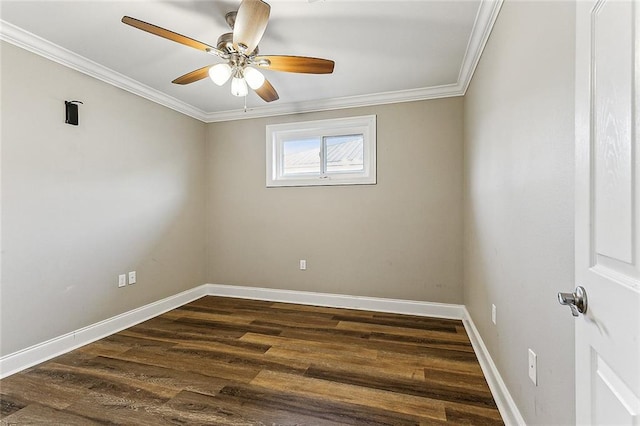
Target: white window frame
{"x": 277, "y": 134}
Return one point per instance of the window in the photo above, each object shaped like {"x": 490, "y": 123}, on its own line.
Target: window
{"x": 326, "y": 152}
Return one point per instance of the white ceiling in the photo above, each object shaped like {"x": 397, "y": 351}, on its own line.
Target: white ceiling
{"x": 385, "y": 51}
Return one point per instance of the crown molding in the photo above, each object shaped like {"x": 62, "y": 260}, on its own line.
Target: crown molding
{"x": 38, "y": 45}
{"x": 483, "y": 24}
{"x": 435, "y": 92}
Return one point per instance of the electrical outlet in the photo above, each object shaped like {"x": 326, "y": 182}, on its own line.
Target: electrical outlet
{"x": 303, "y": 265}
{"x": 493, "y": 314}
{"x": 533, "y": 367}
{"x": 122, "y": 280}
{"x": 132, "y": 277}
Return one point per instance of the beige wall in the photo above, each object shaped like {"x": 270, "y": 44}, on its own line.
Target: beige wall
{"x": 518, "y": 188}
{"x": 123, "y": 191}
{"x": 398, "y": 239}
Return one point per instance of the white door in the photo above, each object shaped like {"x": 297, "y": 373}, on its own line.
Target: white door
{"x": 607, "y": 337}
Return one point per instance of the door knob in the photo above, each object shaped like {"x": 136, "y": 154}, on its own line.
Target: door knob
{"x": 576, "y": 301}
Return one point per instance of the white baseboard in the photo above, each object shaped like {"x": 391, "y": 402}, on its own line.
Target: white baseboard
{"x": 378, "y": 304}
{"x": 25, "y": 358}
{"x": 44, "y": 351}
{"x": 506, "y": 405}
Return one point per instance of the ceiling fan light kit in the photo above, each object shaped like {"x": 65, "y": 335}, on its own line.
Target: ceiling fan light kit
{"x": 239, "y": 50}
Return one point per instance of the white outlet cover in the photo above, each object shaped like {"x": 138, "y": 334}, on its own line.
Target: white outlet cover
{"x": 533, "y": 367}
{"x": 494, "y": 314}
{"x": 303, "y": 264}
{"x": 132, "y": 277}
{"x": 122, "y": 280}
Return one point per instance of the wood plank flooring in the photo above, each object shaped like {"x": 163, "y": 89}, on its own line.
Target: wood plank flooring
{"x": 223, "y": 361}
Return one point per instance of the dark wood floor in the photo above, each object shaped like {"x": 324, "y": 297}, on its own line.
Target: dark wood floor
{"x": 221, "y": 361}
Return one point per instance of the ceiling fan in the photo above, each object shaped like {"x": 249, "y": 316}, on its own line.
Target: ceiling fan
{"x": 239, "y": 50}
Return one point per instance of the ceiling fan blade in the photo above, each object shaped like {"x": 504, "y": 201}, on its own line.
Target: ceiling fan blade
{"x": 301, "y": 64}
{"x": 251, "y": 21}
{"x": 267, "y": 92}
{"x": 193, "y": 76}
{"x": 169, "y": 35}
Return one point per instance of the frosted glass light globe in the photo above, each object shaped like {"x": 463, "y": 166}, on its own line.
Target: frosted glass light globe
{"x": 220, "y": 73}
{"x": 254, "y": 78}
{"x": 239, "y": 87}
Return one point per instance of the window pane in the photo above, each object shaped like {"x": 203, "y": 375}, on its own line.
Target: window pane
{"x": 345, "y": 153}
{"x": 301, "y": 156}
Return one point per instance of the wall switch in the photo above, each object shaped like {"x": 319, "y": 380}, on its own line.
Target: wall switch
{"x": 533, "y": 367}
{"x": 303, "y": 265}
{"x": 122, "y": 280}
{"x": 132, "y": 277}
{"x": 493, "y": 314}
